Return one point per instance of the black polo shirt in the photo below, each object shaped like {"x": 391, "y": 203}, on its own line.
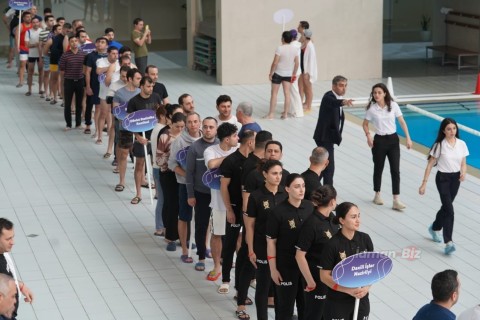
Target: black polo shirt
{"x": 159, "y": 88}
{"x": 232, "y": 167}
{"x": 284, "y": 224}
{"x": 260, "y": 205}
{"x": 312, "y": 182}
{"x": 315, "y": 233}
{"x": 250, "y": 164}
{"x": 339, "y": 248}
{"x": 255, "y": 180}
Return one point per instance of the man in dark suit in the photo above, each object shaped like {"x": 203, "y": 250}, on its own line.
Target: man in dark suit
{"x": 330, "y": 123}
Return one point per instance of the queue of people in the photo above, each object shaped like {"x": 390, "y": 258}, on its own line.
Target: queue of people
{"x": 285, "y": 229}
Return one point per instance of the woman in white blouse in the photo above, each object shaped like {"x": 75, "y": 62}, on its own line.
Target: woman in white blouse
{"x": 382, "y": 112}
{"x": 449, "y": 154}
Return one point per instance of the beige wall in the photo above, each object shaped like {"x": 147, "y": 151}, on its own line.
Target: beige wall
{"x": 347, "y": 36}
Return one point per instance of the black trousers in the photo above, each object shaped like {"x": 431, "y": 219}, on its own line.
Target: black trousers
{"x": 288, "y": 292}
{"x": 328, "y": 172}
{"x": 202, "y": 219}
{"x": 447, "y": 186}
{"x": 387, "y": 146}
{"x": 344, "y": 309}
{"x": 170, "y": 204}
{"x": 71, "y": 87}
{"x": 244, "y": 272}
{"x": 315, "y": 300}
{"x": 264, "y": 283}
{"x": 230, "y": 245}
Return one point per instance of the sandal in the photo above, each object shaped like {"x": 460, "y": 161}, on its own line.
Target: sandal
{"x": 87, "y": 131}
{"x": 213, "y": 276}
{"x": 116, "y": 170}
{"x": 107, "y": 155}
{"x": 242, "y": 315}
{"x": 159, "y": 234}
{"x": 99, "y": 141}
{"x": 224, "y": 288}
{"x": 120, "y": 188}
{"x": 53, "y": 101}
{"x": 28, "y": 94}
{"x": 152, "y": 186}
{"x": 200, "y": 266}
{"x": 136, "y": 200}
{"x": 248, "y": 301}
{"x": 186, "y": 259}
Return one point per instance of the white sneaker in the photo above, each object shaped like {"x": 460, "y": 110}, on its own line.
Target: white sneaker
{"x": 378, "y": 199}
{"x": 398, "y": 205}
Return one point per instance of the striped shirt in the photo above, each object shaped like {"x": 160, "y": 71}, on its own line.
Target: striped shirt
{"x": 72, "y": 64}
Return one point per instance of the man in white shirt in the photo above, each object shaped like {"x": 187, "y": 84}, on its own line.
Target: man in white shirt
{"x": 224, "y": 107}
{"x": 32, "y": 41}
{"x": 214, "y": 155}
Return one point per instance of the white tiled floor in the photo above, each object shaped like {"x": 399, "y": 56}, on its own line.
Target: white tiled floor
{"x": 87, "y": 253}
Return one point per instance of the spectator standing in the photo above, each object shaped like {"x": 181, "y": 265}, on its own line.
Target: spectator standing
{"x": 141, "y": 37}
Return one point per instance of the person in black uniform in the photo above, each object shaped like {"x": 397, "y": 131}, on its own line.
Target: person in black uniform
{"x": 340, "y": 301}
{"x": 283, "y": 229}
{"x": 260, "y": 205}
{"x": 315, "y": 233}
{"x": 318, "y": 162}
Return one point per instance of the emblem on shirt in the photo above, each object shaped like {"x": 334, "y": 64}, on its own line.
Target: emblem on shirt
{"x": 291, "y": 223}
{"x": 343, "y": 255}
{"x": 328, "y": 234}
{"x": 266, "y": 205}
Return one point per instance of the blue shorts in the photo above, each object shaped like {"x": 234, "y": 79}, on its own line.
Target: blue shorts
{"x": 184, "y": 210}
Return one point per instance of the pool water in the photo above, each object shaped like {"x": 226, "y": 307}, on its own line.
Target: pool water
{"x": 423, "y": 129}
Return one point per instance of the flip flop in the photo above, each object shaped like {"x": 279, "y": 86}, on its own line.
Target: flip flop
{"x": 120, "y": 188}
{"x": 186, "y": 259}
{"x": 224, "y": 288}
{"x": 213, "y": 276}
{"x": 107, "y": 155}
{"x": 200, "y": 266}
{"x": 87, "y": 131}
{"x": 242, "y": 315}
{"x": 136, "y": 200}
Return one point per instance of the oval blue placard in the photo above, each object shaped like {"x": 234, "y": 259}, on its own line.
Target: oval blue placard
{"x": 182, "y": 156}
{"x": 362, "y": 269}
{"x": 102, "y": 77}
{"x": 211, "y": 178}
{"x": 87, "y": 47}
{"x": 120, "y": 111}
{"x": 20, "y": 4}
{"x": 140, "y": 121}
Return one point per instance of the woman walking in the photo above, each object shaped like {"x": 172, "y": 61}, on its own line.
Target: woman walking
{"x": 449, "y": 154}
{"x": 382, "y": 112}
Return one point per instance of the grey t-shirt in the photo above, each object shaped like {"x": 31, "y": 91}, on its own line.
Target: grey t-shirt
{"x": 123, "y": 95}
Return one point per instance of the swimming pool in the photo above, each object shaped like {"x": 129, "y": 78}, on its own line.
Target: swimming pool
{"x": 423, "y": 129}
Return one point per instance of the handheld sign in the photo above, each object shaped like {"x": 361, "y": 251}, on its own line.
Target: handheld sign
{"x": 102, "y": 77}
{"x": 20, "y": 4}
{"x": 181, "y": 156}
{"x": 87, "y": 47}
{"x": 140, "y": 121}
{"x": 211, "y": 178}
{"x": 362, "y": 269}
{"x": 120, "y": 111}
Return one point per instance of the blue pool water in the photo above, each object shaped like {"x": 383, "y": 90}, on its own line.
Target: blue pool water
{"x": 424, "y": 129}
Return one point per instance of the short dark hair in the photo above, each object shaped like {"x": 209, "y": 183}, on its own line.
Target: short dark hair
{"x": 145, "y": 79}
{"x": 131, "y": 73}
{"x": 5, "y": 224}
{"x": 150, "y": 66}
{"x": 100, "y": 39}
{"x": 124, "y": 49}
{"x": 246, "y": 135}
{"x": 137, "y": 20}
{"x": 108, "y": 30}
{"x": 178, "y": 117}
{"x": 278, "y": 143}
{"x": 122, "y": 58}
{"x": 262, "y": 138}
{"x": 124, "y": 69}
{"x": 223, "y": 98}
{"x": 287, "y": 36}
{"x": 47, "y": 10}
{"x": 48, "y": 16}
{"x": 79, "y": 32}
{"x": 112, "y": 48}
{"x": 225, "y": 130}
{"x": 444, "y": 284}
{"x": 60, "y": 19}
{"x": 305, "y": 24}
{"x": 183, "y": 96}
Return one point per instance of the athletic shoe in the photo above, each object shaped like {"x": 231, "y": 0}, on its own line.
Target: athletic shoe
{"x": 449, "y": 248}
{"x": 434, "y": 234}
{"x": 172, "y": 246}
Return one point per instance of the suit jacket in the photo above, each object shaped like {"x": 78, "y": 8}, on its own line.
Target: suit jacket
{"x": 329, "y": 120}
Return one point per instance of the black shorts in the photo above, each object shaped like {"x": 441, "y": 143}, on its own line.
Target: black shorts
{"x": 33, "y": 59}
{"x": 276, "y": 79}
{"x": 109, "y": 100}
{"x": 125, "y": 139}
{"x": 139, "y": 150}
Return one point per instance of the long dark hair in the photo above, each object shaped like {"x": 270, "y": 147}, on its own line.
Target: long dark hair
{"x": 388, "y": 97}
{"x": 441, "y": 135}
{"x": 342, "y": 210}
{"x": 323, "y": 195}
